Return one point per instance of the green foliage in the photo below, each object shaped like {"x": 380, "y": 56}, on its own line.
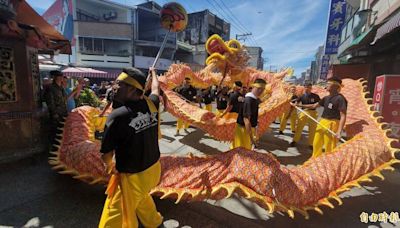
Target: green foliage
{"x": 88, "y": 97}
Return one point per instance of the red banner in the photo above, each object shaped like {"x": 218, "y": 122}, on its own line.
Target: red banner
{"x": 387, "y": 102}
{"x": 60, "y": 15}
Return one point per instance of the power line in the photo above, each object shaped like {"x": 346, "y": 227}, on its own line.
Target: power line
{"x": 236, "y": 20}
{"x": 233, "y": 22}
{"x": 222, "y": 15}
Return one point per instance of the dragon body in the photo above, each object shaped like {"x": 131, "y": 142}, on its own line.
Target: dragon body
{"x": 251, "y": 174}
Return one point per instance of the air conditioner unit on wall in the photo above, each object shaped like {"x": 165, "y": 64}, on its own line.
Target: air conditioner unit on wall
{"x": 110, "y": 15}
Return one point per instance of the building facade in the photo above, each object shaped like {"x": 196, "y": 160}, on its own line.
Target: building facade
{"x": 370, "y": 43}
{"x": 110, "y": 36}
{"x": 256, "y": 60}
{"x": 191, "y": 41}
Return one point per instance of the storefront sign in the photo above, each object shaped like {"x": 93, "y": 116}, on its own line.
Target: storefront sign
{"x": 387, "y": 101}
{"x": 324, "y": 67}
{"x": 337, "y": 16}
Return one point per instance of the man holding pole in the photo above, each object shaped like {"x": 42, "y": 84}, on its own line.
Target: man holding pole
{"x": 333, "y": 118}
{"x": 290, "y": 114}
{"x": 235, "y": 101}
{"x": 307, "y": 98}
{"x": 247, "y": 120}
{"x": 188, "y": 92}
{"x": 131, "y": 134}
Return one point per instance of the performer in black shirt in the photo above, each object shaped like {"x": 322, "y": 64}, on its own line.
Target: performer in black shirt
{"x": 333, "y": 117}
{"x": 206, "y": 98}
{"x": 307, "y": 98}
{"x": 247, "y": 121}
{"x": 236, "y": 99}
{"x": 189, "y": 93}
{"x": 290, "y": 114}
{"x": 222, "y": 100}
{"x": 131, "y": 135}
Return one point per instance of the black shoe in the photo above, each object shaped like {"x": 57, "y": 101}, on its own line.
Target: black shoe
{"x": 293, "y": 144}
{"x": 281, "y": 132}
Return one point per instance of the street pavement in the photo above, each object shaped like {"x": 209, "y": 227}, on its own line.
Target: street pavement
{"x": 33, "y": 195}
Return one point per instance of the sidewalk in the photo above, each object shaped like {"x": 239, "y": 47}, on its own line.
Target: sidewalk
{"x": 31, "y": 191}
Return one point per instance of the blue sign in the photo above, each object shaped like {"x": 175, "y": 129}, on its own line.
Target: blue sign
{"x": 324, "y": 67}
{"x": 337, "y": 16}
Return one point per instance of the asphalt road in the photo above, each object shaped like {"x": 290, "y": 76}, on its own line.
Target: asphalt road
{"x": 34, "y": 195}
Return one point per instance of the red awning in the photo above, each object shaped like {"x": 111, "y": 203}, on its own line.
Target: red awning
{"x": 84, "y": 72}
{"x": 389, "y": 26}
{"x": 112, "y": 73}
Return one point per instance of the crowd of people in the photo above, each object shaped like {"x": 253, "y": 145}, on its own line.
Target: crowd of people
{"x": 130, "y": 146}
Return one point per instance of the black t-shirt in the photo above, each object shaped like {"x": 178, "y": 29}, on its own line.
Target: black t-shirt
{"x": 333, "y": 105}
{"x": 102, "y": 91}
{"x": 132, "y": 131}
{"x": 188, "y": 92}
{"x": 310, "y": 98}
{"x": 222, "y": 101}
{"x": 206, "y": 97}
{"x": 236, "y": 100}
{"x": 294, "y": 98}
{"x": 249, "y": 110}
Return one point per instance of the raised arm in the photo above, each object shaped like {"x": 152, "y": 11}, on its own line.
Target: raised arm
{"x": 155, "y": 84}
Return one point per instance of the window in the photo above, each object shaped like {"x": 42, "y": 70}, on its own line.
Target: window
{"x": 343, "y": 36}
{"x": 98, "y": 45}
{"x": 349, "y": 27}
{"x": 88, "y": 44}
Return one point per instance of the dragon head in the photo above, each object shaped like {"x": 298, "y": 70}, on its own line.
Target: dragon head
{"x": 226, "y": 54}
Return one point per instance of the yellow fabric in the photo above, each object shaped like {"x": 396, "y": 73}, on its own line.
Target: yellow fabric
{"x": 208, "y": 107}
{"x": 324, "y": 138}
{"x": 258, "y": 85}
{"x": 285, "y": 117}
{"x": 129, "y": 198}
{"x": 302, "y": 121}
{"x": 129, "y": 80}
{"x": 231, "y": 115}
{"x": 180, "y": 124}
{"x": 242, "y": 138}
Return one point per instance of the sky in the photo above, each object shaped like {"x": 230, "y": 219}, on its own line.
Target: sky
{"x": 289, "y": 31}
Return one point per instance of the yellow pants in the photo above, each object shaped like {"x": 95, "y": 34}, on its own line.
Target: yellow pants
{"x": 131, "y": 198}
{"x": 284, "y": 119}
{"x": 181, "y": 124}
{"x": 324, "y": 138}
{"x": 208, "y": 107}
{"x": 242, "y": 138}
{"x": 231, "y": 115}
{"x": 301, "y": 122}
{"x": 219, "y": 111}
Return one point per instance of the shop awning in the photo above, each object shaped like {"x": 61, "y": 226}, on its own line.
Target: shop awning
{"x": 112, "y": 73}
{"x": 26, "y": 16}
{"x": 84, "y": 72}
{"x": 388, "y": 27}
{"x": 362, "y": 41}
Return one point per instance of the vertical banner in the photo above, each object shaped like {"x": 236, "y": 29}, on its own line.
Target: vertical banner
{"x": 324, "y": 67}
{"x": 378, "y": 93}
{"x": 387, "y": 102}
{"x": 60, "y": 15}
{"x": 337, "y": 16}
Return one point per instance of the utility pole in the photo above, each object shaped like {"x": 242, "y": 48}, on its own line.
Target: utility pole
{"x": 243, "y": 36}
